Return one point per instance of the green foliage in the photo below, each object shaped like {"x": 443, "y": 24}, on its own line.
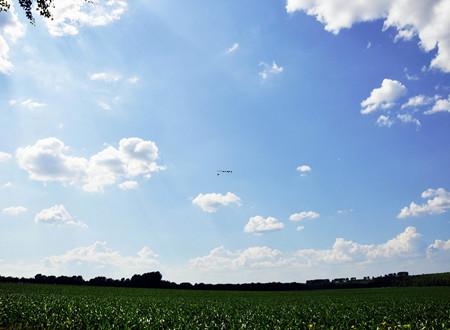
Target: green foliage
{"x": 75, "y": 307}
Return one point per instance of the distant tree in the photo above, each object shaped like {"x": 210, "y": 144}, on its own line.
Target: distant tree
{"x": 43, "y": 7}
{"x": 146, "y": 280}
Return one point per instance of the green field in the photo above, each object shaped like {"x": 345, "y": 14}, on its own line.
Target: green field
{"x": 55, "y": 307}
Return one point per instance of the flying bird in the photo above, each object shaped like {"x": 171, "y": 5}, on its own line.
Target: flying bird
{"x": 219, "y": 172}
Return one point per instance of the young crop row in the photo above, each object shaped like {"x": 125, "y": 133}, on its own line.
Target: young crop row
{"x": 216, "y": 310}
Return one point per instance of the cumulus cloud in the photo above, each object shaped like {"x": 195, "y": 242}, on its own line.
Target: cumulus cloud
{"x": 344, "y": 251}
{"x": 14, "y": 210}
{"x": 102, "y": 260}
{"x": 28, "y": 104}
{"x": 440, "y": 245}
{"x": 105, "y": 76}
{"x": 4, "y": 156}
{"x": 439, "y": 251}
{"x": 417, "y": 101}
{"x": 69, "y": 16}
{"x": 57, "y": 215}
{"x": 438, "y": 202}
{"x": 48, "y": 160}
{"x": 426, "y": 19}
{"x": 259, "y": 225}
{"x": 212, "y": 201}
{"x": 407, "y": 244}
{"x": 304, "y": 169}
{"x": 129, "y": 185}
{"x": 233, "y": 48}
{"x": 10, "y": 31}
{"x": 269, "y": 70}
{"x": 222, "y": 259}
{"x": 383, "y": 97}
{"x": 304, "y": 215}
{"x": 441, "y": 105}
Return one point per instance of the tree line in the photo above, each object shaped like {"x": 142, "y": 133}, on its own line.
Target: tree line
{"x": 154, "y": 280}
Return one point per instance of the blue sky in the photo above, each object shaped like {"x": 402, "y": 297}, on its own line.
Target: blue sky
{"x": 116, "y": 116}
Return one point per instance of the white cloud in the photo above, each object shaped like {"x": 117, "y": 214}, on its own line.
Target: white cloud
{"x": 105, "y": 76}
{"x": 101, "y": 260}
{"x": 383, "y": 97}
{"x": 300, "y": 228}
{"x": 345, "y": 211}
{"x": 440, "y": 245}
{"x": 269, "y": 70}
{"x": 28, "y": 104}
{"x": 5, "y": 64}
{"x": 105, "y": 106}
{"x": 304, "y": 215}
{"x": 441, "y": 105}
{"x": 410, "y": 76}
{"x": 259, "y": 225}
{"x": 133, "y": 79}
{"x": 4, "y": 156}
{"x": 89, "y": 261}
{"x": 417, "y": 101}
{"x": 405, "y": 245}
{"x": 409, "y": 119}
{"x": 304, "y": 169}
{"x": 428, "y": 19}
{"x": 10, "y": 31}
{"x": 369, "y": 45}
{"x": 438, "y": 202}
{"x": 129, "y": 185}
{"x": 405, "y": 34}
{"x": 212, "y": 201}
{"x": 439, "y": 250}
{"x": 384, "y": 121}
{"x": 344, "y": 251}
{"x": 233, "y": 48}
{"x": 7, "y": 185}
{"x": 57, "y": 215}
{"x": 69, "y": 16}
{"x": 14, "y": 210}
{"x": 48, "y": 160}
{"x": 222, "y": 259}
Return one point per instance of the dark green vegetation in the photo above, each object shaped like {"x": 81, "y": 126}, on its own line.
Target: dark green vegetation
{"x": 79, "y": 307}
{"x": 154, "y": 280}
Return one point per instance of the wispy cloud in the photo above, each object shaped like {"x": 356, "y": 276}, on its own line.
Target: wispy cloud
{"x": 27, "y": 104}
{"x": 233, "y": 48}
{"x": 270, "y": 70}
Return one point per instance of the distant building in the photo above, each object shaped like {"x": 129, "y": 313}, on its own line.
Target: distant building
{"x": 339, "y": 280}
{"x": 318, "y": 282}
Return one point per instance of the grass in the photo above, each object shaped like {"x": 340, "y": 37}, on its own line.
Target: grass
{"x": 80, "y": 307}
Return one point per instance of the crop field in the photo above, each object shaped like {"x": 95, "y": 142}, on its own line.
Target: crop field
{"x": 79, "y": 307}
